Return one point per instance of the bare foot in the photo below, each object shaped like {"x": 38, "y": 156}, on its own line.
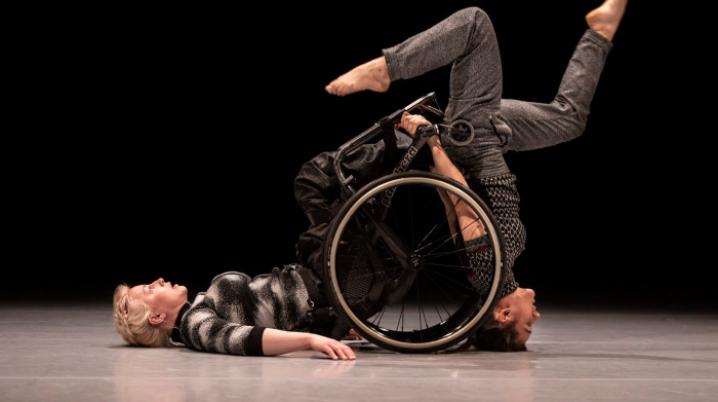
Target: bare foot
{"x": 372, "y": 75}
{"x": 606, "y": 18}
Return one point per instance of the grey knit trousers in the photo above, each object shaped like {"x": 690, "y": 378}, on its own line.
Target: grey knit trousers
{"x": 468, "y": 41}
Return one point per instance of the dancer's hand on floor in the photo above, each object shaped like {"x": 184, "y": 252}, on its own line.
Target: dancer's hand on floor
{"x": 330, "y": 347}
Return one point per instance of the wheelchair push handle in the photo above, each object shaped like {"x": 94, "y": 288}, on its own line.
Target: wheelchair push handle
{"x": 458, "y": 133}
{"x": 427, "y": 130}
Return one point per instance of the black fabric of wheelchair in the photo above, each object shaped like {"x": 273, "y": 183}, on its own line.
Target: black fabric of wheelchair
{"x": 317, "y": 190}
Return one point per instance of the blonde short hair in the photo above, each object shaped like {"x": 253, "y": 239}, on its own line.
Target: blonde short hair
{"x": 131, "y": 318}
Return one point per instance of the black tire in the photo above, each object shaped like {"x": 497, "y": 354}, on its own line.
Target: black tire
{"x": 365, "y": 256}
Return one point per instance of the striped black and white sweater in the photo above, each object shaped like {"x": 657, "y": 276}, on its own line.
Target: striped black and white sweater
{"x": 231, "y": 316}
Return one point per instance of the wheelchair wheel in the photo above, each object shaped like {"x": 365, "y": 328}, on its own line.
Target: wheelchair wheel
{"x": 398, "y": 269}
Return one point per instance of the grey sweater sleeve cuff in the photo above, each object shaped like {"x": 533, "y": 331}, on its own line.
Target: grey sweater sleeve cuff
{"x": 392, "y": 63}
{"x": 254, "y": 342}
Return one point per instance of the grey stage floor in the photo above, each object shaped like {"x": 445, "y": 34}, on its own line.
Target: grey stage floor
{"x": 71, "y": 353}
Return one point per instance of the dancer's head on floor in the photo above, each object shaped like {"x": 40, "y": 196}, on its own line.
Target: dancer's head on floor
{"x": 512, "y": 323}
{"x": 145, "y": 314}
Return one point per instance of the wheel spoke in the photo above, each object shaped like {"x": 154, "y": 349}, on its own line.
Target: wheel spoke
{"x": 378, "y": 317}
{"x": 445, "y": 297}
{"x": 443, "y": 254}
{"x": 453, "y": 236}
{"x": 421, "y": 245}
{"x": 469, "y": 290}
{"x": 420, "y": 304}
{"x": 411, "y": 218}
{"x": 401, "y": 317}
{"x": 418, "y": 300}
{"x": 452, "y": 266}
{"x": 391, "y": 270}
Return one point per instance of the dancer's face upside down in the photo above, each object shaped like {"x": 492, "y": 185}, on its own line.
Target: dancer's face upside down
{"x": 518, "y": 309}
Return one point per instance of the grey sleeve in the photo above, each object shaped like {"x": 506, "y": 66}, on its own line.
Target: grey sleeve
{"x": 203, "y": 330}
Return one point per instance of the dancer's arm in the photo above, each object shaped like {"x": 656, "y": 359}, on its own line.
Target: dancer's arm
{"x": 235, "y": 338}
{"x": 469, "y": 222}
{"x": 277, "y": 342}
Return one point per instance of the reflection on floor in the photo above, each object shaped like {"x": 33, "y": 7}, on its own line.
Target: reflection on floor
{"x": 72, "y": 353}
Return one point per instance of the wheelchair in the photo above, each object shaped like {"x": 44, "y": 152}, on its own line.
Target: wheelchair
{"x": 397, "y": 268}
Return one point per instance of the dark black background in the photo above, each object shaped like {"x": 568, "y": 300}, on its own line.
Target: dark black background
{"x": 168, "y": 141}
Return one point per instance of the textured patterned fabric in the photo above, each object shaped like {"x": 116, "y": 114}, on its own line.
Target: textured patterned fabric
{"x": 503, "y": 198}
{"x": 230, "y": 317}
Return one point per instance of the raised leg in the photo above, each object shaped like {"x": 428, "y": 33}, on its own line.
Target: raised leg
{"x": 541, "y": 125}
{"x": 466, "y": 39}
